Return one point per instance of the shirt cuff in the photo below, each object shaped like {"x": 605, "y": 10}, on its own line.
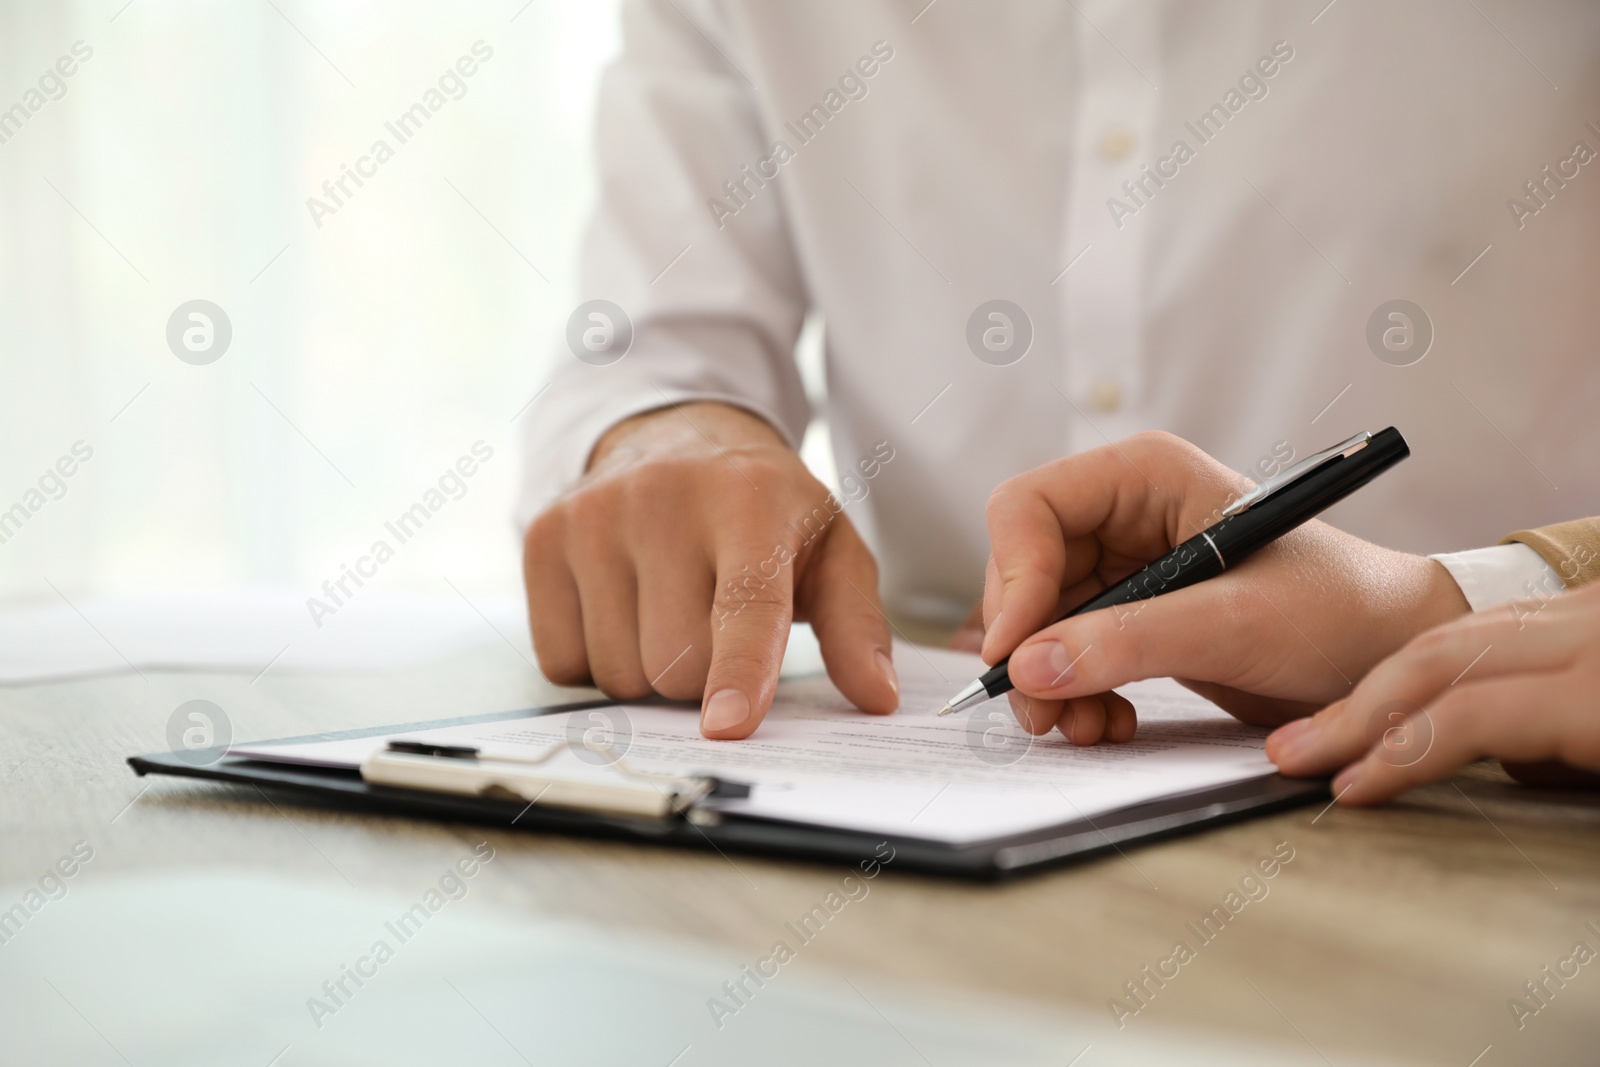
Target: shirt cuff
{"x": 1489, "y": 577}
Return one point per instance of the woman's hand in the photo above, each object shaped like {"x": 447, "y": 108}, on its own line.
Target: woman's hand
{"x": 1282, "y": 634}
{"x": 1521, "y": 683}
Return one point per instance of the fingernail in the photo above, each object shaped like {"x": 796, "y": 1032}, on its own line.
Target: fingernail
{"x": 886, "y": 665}
{"x": 1349, "y": 777}
{"x": 1293, "y": 739}
{"x": 726, "y": 709}
{"x": 1045, "y": 665}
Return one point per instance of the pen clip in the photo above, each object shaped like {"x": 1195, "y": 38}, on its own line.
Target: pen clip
{"x": 1295, "y": 473}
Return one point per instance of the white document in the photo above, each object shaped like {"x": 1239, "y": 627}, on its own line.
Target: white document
{"x": 817, "y": 760}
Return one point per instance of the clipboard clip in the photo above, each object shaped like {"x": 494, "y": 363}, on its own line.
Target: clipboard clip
{"x": 611, "y": 789}
{"x": 1287, "y": 477}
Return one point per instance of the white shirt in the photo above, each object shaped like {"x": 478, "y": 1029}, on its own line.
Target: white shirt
{"x": 1489, "y": 577}
{"x": 1222, "y": 290}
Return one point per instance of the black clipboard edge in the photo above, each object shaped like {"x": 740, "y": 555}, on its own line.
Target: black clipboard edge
{"x": 995, "y": 859}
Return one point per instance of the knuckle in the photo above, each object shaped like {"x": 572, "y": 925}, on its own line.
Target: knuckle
{"x": 1160, "y": 443}
{"x": 770, "y": 476}
{"x": 813, "y": 523}
{"x": 677, "y": 674}
{"x": 674, "y": 481}
{"x": 1012, "y": 495}
{"x": 846, "y": 549}
{"x": 1021, "y": 573}
{"x": 620, "y": 681}
{"x": 999, "y": 499}
{"x": 591, "y": 509}
{"x": 681, "y": 683}
{"x": 1159, "y": 439}
{"x": 747, "y": 591}
{"x": 560, "y": 667}
{"x": 544, "y": 532}
{"x": 743, "y": 664}
{"x": 656, "y": 489}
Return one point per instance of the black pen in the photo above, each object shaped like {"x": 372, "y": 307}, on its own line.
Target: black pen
{"x": 1255, "y": 520}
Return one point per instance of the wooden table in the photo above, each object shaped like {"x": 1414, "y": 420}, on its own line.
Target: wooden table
{"x": 1399, "y": 934}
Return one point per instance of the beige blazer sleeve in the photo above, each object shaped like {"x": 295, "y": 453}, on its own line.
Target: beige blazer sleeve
{"x": 1572, "y": 548}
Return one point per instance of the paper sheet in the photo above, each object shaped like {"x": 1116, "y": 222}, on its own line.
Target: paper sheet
{"x": 956, "y": 779}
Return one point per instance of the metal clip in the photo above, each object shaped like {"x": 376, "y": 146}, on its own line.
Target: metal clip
{"x": 617, "y": 790}
{"x": 1295, "y": 473}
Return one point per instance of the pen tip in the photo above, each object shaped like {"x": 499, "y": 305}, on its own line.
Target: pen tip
{"x": 947, "y": 709}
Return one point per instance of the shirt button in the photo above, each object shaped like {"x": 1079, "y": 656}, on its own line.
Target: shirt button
{"x": 1107, "y": 395}
{"x": 1115, "y": 144}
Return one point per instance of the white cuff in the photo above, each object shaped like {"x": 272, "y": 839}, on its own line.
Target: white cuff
{"x": 1489, "y": 577}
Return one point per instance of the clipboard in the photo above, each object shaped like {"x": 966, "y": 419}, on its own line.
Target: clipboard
{"x": 484, "y": 801}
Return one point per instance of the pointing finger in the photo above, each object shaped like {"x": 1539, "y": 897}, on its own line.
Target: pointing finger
{"x": 749, "y": 630}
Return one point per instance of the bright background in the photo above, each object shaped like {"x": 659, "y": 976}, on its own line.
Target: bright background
{"x": 367, "y": 355}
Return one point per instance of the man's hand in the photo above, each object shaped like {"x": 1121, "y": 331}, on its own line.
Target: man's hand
{"x": 1521, "y": 683}
{"x": 1285, "y": 632}
{"x": 676, "y": 565}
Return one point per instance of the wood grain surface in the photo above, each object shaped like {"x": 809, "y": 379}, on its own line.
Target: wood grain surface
{"x": 1398, "y": 934}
